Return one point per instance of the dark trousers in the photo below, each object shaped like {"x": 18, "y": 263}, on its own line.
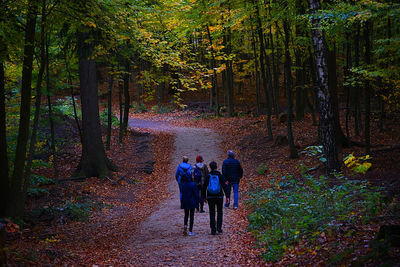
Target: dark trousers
{"x": 185, "y": 221}
{"x": 201, "y": 200}
{"x": 212, "y": 203}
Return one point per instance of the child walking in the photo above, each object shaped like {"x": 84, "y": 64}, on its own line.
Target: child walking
{"x": 214, "y": 189}
{"x": 190, "y": 201}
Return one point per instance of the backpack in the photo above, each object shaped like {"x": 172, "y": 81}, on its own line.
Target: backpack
{"x": 186, "y": 175}
{"x": 213, "y": 185}
{"x": 197, "y": 176}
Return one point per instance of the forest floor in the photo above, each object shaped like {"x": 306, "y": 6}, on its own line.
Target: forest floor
{"x": 133, "y": 218}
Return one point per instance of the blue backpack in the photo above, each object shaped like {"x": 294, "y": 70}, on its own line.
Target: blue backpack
{"x": 197, "y": 176}
{"x": 186, "y": 176}
{"x": 213, "y": 185}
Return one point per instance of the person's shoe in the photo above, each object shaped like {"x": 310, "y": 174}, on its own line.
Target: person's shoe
{"x": 226, "y": 205}
{"x": 191, "y": 234}
{"x": 219, "y": 231}
{"x": 235, "y": 207}
{"x": 185, "y": 230}
{"x": 202, "y": 211}
{"x": 213, "y": 232}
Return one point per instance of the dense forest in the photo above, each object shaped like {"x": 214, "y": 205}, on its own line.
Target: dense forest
{"x": 73, "y": 74}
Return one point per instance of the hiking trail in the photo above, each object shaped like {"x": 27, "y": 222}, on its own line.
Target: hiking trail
{"x": 159, "y": 240}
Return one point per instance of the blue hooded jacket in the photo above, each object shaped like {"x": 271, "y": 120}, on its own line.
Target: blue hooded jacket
{"x": 184, "y": 166}
{"x": 190, "y": 195}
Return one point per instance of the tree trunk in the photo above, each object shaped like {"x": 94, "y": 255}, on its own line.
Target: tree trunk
{"x": 341, "y": 139}
{"x": 15, "y": 205}
{"x": 214, "y": 77}
{"x": 127, "y": 99}
{"x": 263, "y": 71}
{"x": 253, "y": 44}
{"x": 367, "y": 89}
{"x": 289, "y": 83}
{"x": 52, "y": 130}
{"x": 109, "y": 113}
{"x": 4, "y": 178}
{"x": 326, "y": 117}
{"x": 94, "y": 161}
{"x": 275, "y": 73}
{"x": 121, "y": 128}
{"x": 38, "y": 101}
{"x": 357, "y": 93}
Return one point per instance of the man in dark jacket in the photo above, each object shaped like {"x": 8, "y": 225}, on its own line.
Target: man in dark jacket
{"x": 214, "y": 199}
{"x": 232, "y": 171}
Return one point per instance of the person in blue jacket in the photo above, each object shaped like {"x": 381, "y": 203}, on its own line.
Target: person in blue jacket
{"x": 233, "y": 172}
{"x": 184, "y": 169}
{"x": 189, "y": 201}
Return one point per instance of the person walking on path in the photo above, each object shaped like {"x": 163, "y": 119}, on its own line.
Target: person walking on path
{"x": 189, "y": 201}
{"x": 184, "y": 169}
{"x": 200, "y": 171}
{"x": 233, "y": 172}
{"x": 214, "y": 189}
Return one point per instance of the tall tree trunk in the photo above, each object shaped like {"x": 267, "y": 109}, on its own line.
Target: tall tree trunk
{"x": 121, "y": 128}
{"x": 15, "y": 205}
{"x": 263, "y": 71}
{"x": 214, "y": 77}
{"x": 349, "y": 88}
{"x": 109, "y": 113}
{"x": 4, "y": 178}
{"x": 357, "y": 92}
{"x": 94, "y": 161}
{"x": 127, "y": 98}
{"x": 289, "y": 84}
{"x": 51, "y": 121}
{"x": 253, "y": 44}
{"x": 38, "y": 101}
{"x": 326, "y": 117}
{"x": 229, "y": 74}
{"x": 341, "y": 139}
{"x": 275, "y": 73}
{"x": 367, "y": 29}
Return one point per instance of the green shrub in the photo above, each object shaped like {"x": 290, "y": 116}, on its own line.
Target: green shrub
{"x": 262, "y": 168}
{"x": 104, "y": 118}
{"x": 79, "y": 211}
{"x": 65, "y": 107}
{"x": 36, "y": 181}
{"x": 292, "y": 210}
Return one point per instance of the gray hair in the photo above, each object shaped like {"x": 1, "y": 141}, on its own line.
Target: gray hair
{"x": 231, "y": 153}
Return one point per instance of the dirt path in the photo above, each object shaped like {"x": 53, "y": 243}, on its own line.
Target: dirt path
{"x": 159, "y": 241}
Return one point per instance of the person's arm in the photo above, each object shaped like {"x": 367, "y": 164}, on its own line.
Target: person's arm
{"x": 224, "y": 169}
{"x": 223, "y": 183}
{"x": 204, "y": 189}
{"x": 177, "y": 174}
{"x": 240, "y": 170}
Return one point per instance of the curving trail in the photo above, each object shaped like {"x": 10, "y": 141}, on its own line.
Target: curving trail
{"x": 159, "y": 241}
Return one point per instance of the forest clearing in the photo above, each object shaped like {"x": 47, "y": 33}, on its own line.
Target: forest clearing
{"x": 293, "y": 105}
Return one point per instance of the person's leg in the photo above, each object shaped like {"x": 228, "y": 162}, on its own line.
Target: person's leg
{"x": 235, "y": 195}
{"x": 211, "y": 210}
{"x": 191, "y": 220}
{"x": 185, "y": 221}
{"x": 201, "y": 199}
{"x": 228, "y": 194}
{"x": 219, "y": 204}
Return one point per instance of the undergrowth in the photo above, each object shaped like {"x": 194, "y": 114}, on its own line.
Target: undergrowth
{"x": 303, "y": 209}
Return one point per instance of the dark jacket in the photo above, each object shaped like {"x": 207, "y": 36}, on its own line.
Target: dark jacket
{"x": 190, "y": 196}
{"x": 181, "y": 169}
{"x": 232, "y": 170}
{"x": 221, "y": 182}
